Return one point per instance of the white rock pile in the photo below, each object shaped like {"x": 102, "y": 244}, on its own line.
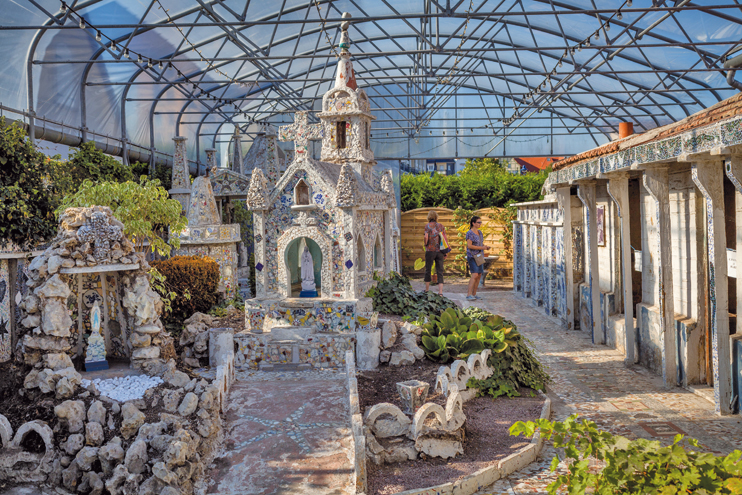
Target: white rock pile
{"x": 124, "y": 388}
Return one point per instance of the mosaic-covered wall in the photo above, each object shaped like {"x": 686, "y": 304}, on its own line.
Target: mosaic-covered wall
{"x": 5, "y": 334}
{"x": 322, "y": 351}
{"x": 539, "y": 268}
{"x": 325, "y": 316}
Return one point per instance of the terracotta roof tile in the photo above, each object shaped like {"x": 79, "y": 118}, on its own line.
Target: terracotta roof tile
{"x": 721, "y": 111}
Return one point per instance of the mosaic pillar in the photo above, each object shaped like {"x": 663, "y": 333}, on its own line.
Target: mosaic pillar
{"x": 5, "y": 311}
{"x": 526, "y": 260}
{"x": 237, "y": 151}
{"x": 586, "y": 193}
{"x": 260, "y": 255}
{"x": 618, "y": 190}
{"x": 656, "y": 182}
{"x": 349, "y": 251}
{"x": 709, "y": 178}
{"x": 547, "y": 267}
{"x": 181, "y": 178}
{"x": 733, "y": 168}
{"x": 517, "y": 257}
{"x": 564, "y": 200}
{"x": 210, "y": 160}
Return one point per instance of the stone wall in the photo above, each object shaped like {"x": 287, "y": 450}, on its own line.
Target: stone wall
{"x": 319, "y": 350}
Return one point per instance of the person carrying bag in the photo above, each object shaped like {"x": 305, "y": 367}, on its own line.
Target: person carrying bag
{"x": 475, "y": 249}
{"x": 435, "y": 235}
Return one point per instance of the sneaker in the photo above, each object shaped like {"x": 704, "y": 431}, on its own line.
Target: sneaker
{"x": 471, "y": 298}
{"x": 477, "y": 297}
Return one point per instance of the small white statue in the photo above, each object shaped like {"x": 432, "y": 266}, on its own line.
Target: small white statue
{"x": 308, "y": 287}
{"x": 95, "y": 356}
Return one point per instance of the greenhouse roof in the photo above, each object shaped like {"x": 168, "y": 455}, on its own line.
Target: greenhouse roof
{"x": 446, "y": 78}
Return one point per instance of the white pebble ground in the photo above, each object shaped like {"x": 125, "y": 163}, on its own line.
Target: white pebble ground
{"x": 124, "y": 388}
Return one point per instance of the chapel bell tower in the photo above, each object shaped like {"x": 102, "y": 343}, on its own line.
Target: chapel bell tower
{"x": 346, "y": 117}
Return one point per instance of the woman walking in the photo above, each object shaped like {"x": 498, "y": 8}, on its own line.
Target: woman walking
{"x": 433, "y": 233}
{"x": 475, "y": 249}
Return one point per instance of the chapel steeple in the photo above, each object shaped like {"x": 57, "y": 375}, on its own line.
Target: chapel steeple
{"x": 346, "y": 117}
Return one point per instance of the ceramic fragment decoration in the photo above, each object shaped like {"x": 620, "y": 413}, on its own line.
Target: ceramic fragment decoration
{"x": 413, "y": 394}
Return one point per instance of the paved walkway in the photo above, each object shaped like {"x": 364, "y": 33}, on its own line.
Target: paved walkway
{"x": 591, "y": 380}
{"x": 286, "y": 433}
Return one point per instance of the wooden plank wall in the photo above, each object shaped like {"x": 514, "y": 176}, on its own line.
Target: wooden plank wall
{"x": 413, "y": 231}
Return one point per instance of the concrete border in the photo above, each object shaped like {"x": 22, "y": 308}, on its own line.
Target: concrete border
{"x": 356, "y": 424}
{"x": 486, "y": 476}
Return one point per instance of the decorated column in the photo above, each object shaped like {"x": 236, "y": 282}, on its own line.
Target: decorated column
{"x": 709, "y": 178}
{"x": 237, "y": 151}
{"x": 210, "y": 160}
{"x": 257, "y": 202}
{"x": 181, "y": 178}
{"x": 618, "y": 189}
{"x": 586, "y": 193}
{"x": 564, "y": 201}
{"x": 656, "y": 182}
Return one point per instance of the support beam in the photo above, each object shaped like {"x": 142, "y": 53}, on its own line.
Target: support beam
{"x": 708, "y": 176}
{"x": 656, "y": 182}
{"x": 586, "y": 193}
{"x": 618, "y": 190}
{"x": 564, "y": 199}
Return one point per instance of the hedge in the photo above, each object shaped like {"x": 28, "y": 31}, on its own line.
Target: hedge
{"x": 194, "y": 280}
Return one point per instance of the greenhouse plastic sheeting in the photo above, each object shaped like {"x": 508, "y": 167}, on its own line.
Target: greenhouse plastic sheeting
{"x": 443, "y": 77}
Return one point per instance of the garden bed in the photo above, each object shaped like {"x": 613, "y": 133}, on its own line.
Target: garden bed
{"x": 486, "y": 430}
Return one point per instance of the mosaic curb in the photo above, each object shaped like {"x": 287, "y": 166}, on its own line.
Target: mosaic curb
{"x": 356, "y": 422}
{"x": 484, "y": 477}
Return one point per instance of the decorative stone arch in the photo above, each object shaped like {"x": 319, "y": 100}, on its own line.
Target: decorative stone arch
{"x": 325, "y": 246}
{"x": 418, "y": 423}
{"x": 361, "y": 261}
{"x": 378, "y": 254}
{"x": 363, "y": 103}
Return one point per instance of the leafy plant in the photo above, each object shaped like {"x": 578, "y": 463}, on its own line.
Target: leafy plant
{"x": 454, "y": 335}
{"x": 144, "y": 209}
{"x": 26, "y": 191}
{"x": 87, "y": 162}
{"x": 633, "y": 466}
{"x": 517, "y": 366}
{"x": 505, "y": 217}
{"x": 494, "y": 386}
{"x": 394, "y": 295}
{"x": 220, "y": 310}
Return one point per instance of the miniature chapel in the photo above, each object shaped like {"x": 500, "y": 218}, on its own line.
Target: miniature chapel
{"x": 339, "y": 210}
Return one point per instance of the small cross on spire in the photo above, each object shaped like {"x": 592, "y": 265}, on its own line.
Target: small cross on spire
{"x": 300, "y": 132}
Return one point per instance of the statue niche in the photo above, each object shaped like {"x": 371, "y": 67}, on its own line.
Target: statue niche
{"x": 304, "y": 262}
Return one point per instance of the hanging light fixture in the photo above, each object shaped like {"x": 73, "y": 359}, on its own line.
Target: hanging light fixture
{"x": 63, "y": 8}
{"x": 139, "y": 59}
{"x": 597, "y": 35}
{"x": 607, "y": 26}
{"x": 97, "y": 36}
{"x": 560, "y": 62}
{"x": 82, "y": 23}
{"x": 619, "y": 16}
{"x": 149, "y": 63}
{"x": 159, "y": 65}
{"x": 628, "y": 3}
{"x": 114, "y": 46}
{"x": 126, "y": 53}
{"x": 587, "y": 41}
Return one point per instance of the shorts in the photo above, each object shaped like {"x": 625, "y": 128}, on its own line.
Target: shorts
{"x": 473, "y": 267}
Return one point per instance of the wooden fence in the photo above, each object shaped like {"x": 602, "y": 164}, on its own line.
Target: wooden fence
{"x": 413, "y": 232}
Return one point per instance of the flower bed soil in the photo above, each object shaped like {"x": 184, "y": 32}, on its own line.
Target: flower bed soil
{"x": 486, "y": 430}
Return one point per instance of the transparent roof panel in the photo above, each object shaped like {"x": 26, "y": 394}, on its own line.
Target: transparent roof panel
{"x": 496, "y": 76}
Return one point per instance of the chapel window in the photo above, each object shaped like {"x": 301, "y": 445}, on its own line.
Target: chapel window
{"x": 301, "y": 193}
{"x": 340, "y": 134}
{"x": 361, "y": 255}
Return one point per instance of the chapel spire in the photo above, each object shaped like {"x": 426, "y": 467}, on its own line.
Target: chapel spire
{"x": 345, "y": 75}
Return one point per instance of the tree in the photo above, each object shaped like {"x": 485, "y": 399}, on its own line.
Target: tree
{"x": 144, "y": 209}
{"x": 478, "y": 166}
{"x": 26, "y": 193}
{"x": 88, "y": 162}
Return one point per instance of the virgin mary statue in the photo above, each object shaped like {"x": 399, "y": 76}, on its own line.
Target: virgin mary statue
{"x": 308, "y": 287}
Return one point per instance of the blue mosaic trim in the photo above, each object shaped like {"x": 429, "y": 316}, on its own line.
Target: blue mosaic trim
{"x": 727, "y": 133}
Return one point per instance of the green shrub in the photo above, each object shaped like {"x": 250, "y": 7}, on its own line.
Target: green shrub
{"x": 394, "y": 296}
{"x": 194, "y": 280}
{"x": 515, "y": 367}
{"x": 88, "y": 162}
{"x": 633, "y": 466}
{"x": 453, "y": 335}
{"x": 483, "y": 187}
{"x": 27, "y": 195}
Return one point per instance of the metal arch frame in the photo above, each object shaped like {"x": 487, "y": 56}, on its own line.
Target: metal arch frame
{"x": 421, "y": 82}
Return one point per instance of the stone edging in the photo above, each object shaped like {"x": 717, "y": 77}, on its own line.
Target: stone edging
{"x": 356, "y": 423}
{"x": 486, "y": 476}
